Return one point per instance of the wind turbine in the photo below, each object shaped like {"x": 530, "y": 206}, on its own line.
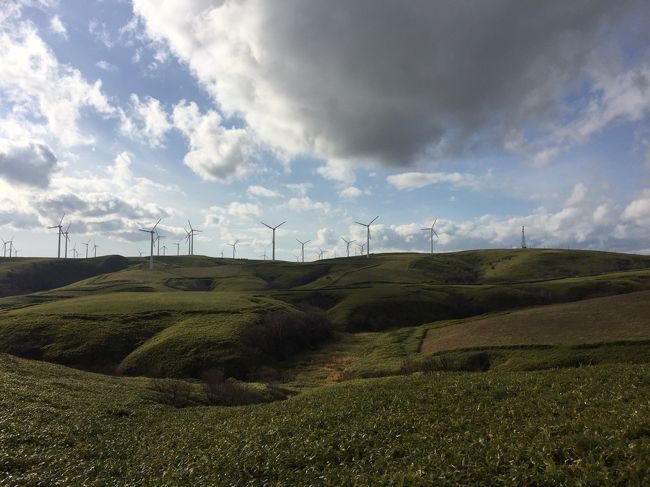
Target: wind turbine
{"x": 264, "y": 255}
{"x": 347, "y": 245}
{"x": 67, "y": 239}
{"x": 74, "y": 251}
{"x": 234, "y": 246}
{"x": 86, "y": 244}
{"x": 178, "y": 248}
{"x": 273, "y": 228}
{"x": 164, "y": 249}
{"x": 191, "y": 233}
{"x": 297, "y": 257}
{"x": 58, "y": 253}
{"x": 523, "y": 238}
{"x": 433, "y": 232}
{"x": 16, "y": 252}
{"x": 158, "y": 237}
{"x": 302, "y": 244}
{"x": 189, "y": 242}
{"x": 367, "y": 225}
{"x": 320, "y": 253}
{"x": 95, "y": 248}
{"x": 11, "y": 246}
{"x": 140, "y": 252}
{"x": 4, "y": 247}
{"x": 361, "y": 247}
{"x": 151, "y": 232}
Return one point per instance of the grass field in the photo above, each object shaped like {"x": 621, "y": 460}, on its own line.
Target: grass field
{"x": 608, "y": 319}
{"x": 499, "y": 366}
{"x": 588, "y": 426}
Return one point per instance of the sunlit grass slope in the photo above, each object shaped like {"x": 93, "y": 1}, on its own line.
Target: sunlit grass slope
{"x": 608, "y": 319}
{"x": 586, "y": 426}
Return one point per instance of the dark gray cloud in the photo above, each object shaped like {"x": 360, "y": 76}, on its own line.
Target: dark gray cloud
{"x": 392, "y": 81}
{"x": 27, "y": 163}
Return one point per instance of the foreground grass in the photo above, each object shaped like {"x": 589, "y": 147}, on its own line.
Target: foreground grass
{"x": 575, "y": 426}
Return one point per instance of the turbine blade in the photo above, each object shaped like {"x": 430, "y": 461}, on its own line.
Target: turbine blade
{"x": 267, "y": 226}
{"x": 140, "y": 229}
{"x": 362, "y": 224}
{"x": 373, "y": 220}
{"x": 278, "y": 226}
{"x": 434, "y": 232}
{"x": 154, "y": 227}
{"x": 434, "y": 223}
{"x": 61, "y": 221}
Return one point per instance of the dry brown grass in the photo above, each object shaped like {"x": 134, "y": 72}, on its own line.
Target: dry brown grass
{"x": 609, "y": 319}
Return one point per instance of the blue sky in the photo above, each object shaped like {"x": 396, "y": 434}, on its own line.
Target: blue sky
{"x": 322, "y": 113}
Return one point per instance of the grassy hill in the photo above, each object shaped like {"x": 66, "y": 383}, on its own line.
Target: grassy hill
{"x": 444, "y": 429}
{"x": 192, "y": 314}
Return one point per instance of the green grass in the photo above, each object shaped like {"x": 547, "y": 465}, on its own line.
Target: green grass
{"x": 586, "y": 426}
{"x": 608, "y": 319}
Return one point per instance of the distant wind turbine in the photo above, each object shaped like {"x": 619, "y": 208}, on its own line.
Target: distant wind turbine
{"x": 86, "y": 244}
{"x": 12, "y": 249}
{"x": 191, "y": 234}
{"x": 347, "y": 245}
{"x": 273, "y": 229}
{"x": 361, "y": 247}
{"x": 158, "y": 237}
{"x": 95, "y": 248}
{"x": 264, "y": 255}
{"x": 4, "y": 247}
{"x": 302, "y": 245}
{"x": 66, "y": 240}
{"x": 178, "y": 248}
{"x": 433, "y": 232}
{"x": 60, "y": 228}
{"x": 297, "y": 257}
{"x": 140, "y": 252}
{"x": 320, "y": 253}
{"x": 151, "y": 232}
{"x": 234, "y": 247}
{"x": 367, "y": 225}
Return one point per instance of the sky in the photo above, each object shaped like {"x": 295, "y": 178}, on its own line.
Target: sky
{"x": 481, "y": 116}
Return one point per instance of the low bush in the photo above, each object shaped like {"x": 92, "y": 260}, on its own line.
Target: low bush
{"x": 280, "y": 334}
{"x": 172, "y": 391}
{"x": 229, "y": 392}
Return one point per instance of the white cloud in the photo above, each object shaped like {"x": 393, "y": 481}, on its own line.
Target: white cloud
{"x": 338, "y": 170}
{"x": 34, "y": 85}
{"x": 300, "y": 188}
{"x": 216, "y": 153}
{"x": 105, "y": 65}
{"x": 415, "y": 180}
{"x": 56, "y": 25}
{"x": 305, "y": 203}
{"x": 578, "y": 195}
{"x": 638, "y": 210}
{"x": 243, "y": 210}
{"x": 255, "y": 190}
{"x": 146, "y": 121}
{"x": 100, "y": 32}
{"x": 350, "y": 193}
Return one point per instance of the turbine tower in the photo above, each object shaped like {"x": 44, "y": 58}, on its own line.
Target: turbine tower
{"x": 347, "y": 245}
{"x": 234, "y": 246}
{"x": 151, "y": 232}
{"x": 140, "y": 252}
{"x": 86, "y": 244}
{"x": 367, "y": 225}
{"x": 95, "y": 248}
{"x": 158, "y": 237}
{"x": 523, "y": 238}
{"x": 361, "y": 247}
{"x": 178, "y": 248}
{"x": 302, "y": 244}
{"x": 4, "y": 247}
{"x": 191, "y": 234}
{"x": 320, "y": 253}
{"x": 58, "y": 252}
{"x": 433, "y": 232}
{"x": 273, "y": 228}
{"x": 12, "y": 249}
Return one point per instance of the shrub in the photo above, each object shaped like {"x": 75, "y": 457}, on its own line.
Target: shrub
{"x": 228, "y": 392}
{"x": 172, "y": 391}
{"x": 281, "y": 334}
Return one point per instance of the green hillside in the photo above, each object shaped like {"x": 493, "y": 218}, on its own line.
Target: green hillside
{"x": 192, "y": 314}
{"x": 58, "y": 424}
